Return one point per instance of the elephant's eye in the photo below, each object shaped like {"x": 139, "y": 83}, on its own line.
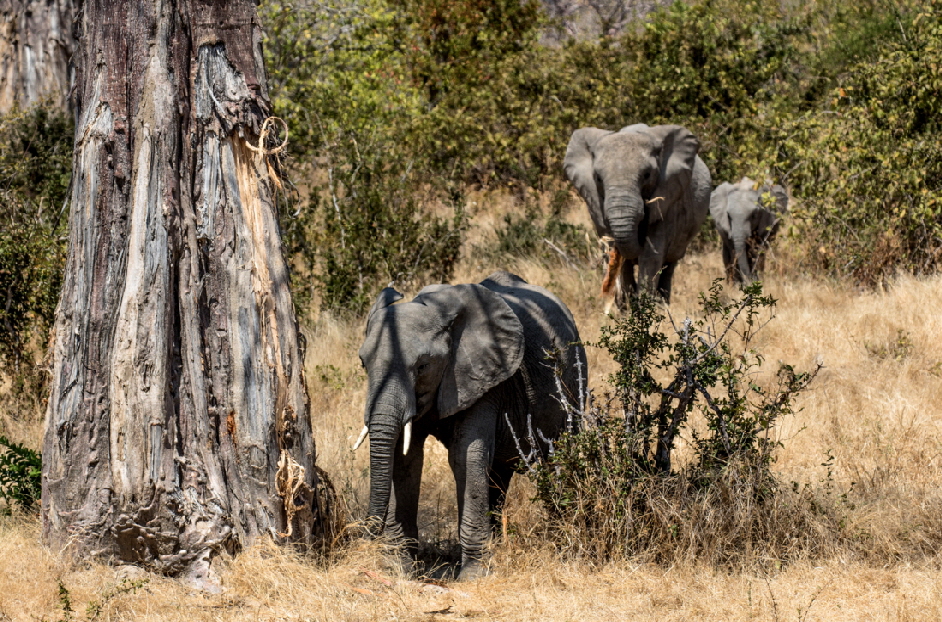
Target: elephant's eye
{"x": 422, "y": 368}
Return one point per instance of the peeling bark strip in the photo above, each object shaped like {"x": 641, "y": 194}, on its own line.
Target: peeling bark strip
{"x": 35, "y": 46}
{"x": 178, "y": 377}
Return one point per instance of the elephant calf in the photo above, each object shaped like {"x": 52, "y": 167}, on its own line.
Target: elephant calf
{"x": 647, "y": 191}
{"x": 467, "y": 364}
{"x": 747, "y": 219}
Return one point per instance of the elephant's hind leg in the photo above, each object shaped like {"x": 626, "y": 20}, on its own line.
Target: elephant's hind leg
{"x": 470, "y": 455}
{"x": 664, "y": 281}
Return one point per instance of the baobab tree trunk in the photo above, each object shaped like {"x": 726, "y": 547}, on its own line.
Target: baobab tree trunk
{"x": 178, "y": 408}
{"x": 35, "y": 46}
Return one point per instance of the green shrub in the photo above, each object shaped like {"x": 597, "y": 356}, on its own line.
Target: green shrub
{"x": 35, "y": 165}
{"x": 451, "y": 45}
{"x": 340, "y": 81}
{"x": 545, "y": 236}
{"x": 613, "y": 488}
{"x": 20, "y": 475}
{"x": 866, "y": 164}
{"x": 372, "y": 231}
{"x": 552, "y": 239}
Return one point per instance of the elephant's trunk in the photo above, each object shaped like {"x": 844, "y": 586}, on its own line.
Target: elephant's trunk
{"x": 625, "y": 210}
{"x": 384, "y": 432}
{"x": 741, "y": 247}
{"x": 388, "y": 410}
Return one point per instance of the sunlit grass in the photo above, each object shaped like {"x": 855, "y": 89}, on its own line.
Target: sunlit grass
{"x": 869, "y": 429}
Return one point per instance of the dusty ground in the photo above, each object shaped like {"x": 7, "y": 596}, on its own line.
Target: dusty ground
{"x": 870, "y": 428}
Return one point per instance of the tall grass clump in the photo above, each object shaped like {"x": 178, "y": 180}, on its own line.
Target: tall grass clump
{"x": 617, "y": 487}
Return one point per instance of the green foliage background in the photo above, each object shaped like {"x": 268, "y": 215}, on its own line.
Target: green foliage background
{"x": 20, "y": 476}
{"x": 866, "y": 161}
{"x": 396, "y": 106}
{"x": 35, "y": 165}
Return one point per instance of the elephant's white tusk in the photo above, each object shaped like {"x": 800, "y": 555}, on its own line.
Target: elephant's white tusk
{"x": 361, "y": 438}
{"x": 407, "y": 438}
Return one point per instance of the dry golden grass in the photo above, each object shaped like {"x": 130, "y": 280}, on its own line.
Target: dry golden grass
{"x": 869, "y": 428}
{"x": 267, "y": 583}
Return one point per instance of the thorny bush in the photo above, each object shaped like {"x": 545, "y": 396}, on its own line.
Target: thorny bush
{"x": 614, "y": 488}
{"x": 543, "y": 233}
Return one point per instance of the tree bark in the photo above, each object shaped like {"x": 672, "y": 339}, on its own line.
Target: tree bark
{"x": 35, "y": 46}
{"x": 178, "y": 407}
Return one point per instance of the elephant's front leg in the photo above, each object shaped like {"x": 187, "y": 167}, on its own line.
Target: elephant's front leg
{"x": 627, "y": 286}
{"x": 758, "y": 245}
{"x": 470, "y": 455}
{"x": 402, "y": 522}
{"x": 729, "y": 259}
{"x": 651, "y": 262}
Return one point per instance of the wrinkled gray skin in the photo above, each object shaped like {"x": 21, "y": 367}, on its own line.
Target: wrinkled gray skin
{"x": 453, "y": 361}
{"x": 647, "y": 188}
{"x": 747, "y": 219}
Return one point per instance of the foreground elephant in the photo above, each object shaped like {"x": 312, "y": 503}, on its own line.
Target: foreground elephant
{"x": 646, "y": 189}
{"x": 747, "y": 219}
{"x": 458, "y": 362}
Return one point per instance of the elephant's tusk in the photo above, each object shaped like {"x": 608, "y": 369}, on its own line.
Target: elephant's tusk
{"x": 407, "y": 438}
{"x": 361, "y": 438}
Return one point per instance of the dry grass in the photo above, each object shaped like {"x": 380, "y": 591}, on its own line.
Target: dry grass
{"x": 869, "y": 429}
{"x": 271, "y": 584}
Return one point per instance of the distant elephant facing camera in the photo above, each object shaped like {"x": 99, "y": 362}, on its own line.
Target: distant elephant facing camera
{"x": 747, "y": 218}
{"x": 648, "y": 191}
{"x": 468, "y": 364}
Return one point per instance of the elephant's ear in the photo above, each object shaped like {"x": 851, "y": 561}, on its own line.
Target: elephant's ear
{"x": 679, "y": 149}
{"x": 764, "y": 223}
{"x": 486, "y": 343}
{"x": 774, "y": 198}
{"x": 386, "y": 297}
{"x": 580, "y": 171}
{"x": 719, "y": 201}
{"x": 747, "y": 184}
